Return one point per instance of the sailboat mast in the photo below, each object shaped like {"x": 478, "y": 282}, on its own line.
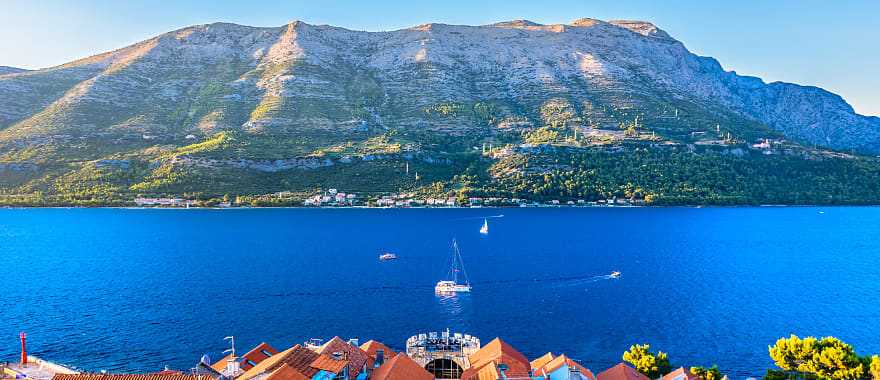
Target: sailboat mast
{"x": 455, "y": 259}
{"x": 467, "y": 281}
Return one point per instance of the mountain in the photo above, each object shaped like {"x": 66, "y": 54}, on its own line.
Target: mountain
{"x": 223, "y": 108}
{"x": 10, "y": 70}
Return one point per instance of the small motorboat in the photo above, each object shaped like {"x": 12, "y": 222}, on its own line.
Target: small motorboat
{"x": 615, "y": 274}
{"x": 387, "y": 257}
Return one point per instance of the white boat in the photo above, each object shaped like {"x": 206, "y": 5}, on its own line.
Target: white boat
{"x": 485, "y": 228}
{"x": 615, "y": 274}
{"x": 387, "y": 257}
{"x": 453, "y": 285}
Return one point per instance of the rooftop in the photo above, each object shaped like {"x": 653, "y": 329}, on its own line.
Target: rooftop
{"x": 621, "y": 372}
{"x": 401, "y": 367}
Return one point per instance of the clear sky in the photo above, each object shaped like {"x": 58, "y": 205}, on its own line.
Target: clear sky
{"x": 831, "y": 44}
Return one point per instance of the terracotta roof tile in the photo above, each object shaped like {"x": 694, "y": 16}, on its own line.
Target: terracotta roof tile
{"x": 496, "y": 349}
{"x": 355, "y": 356}
{"x": 300, "y": 359}
{"x": 220, "y": 365}
{"x": 621, "y": 372}
{"x": 561, "y": 361}
{"x": 329, "y": 364}
{"x": 491, "y": 371}
{"x": 540, "y": 362}
{"x": 680, "y": 374}
{"x": 371, "y": 347}
{"x": 401, "y": 367}
{"x": 286, "y": 372}
{"x": 257, "y": 355}
{"x": 266, "y": 365}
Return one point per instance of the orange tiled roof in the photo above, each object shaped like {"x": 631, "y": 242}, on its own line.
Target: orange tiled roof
{"x": 372, "y": 346}
{"x": 328, "y": 363}
{"x": 680, "y": 374}
{"x": 355, "y": 356}
{"x": 484, "y": 363}
{"x": 255, "y": 355}
{"x": 490, "y": 370}
{"x": 266, "y": 365}
{"x": 401, "y": 367}
{"x": 286, "y": 372}
{"x": 540, "y": 362}
{"x": 144, "y": 376}
{"x": 496, "y": 349}
{"x": 300, "y": 359}
{"x": 220, "y": 366}
{"x": 621, "y": 372}
{"x": 558, "y": 362}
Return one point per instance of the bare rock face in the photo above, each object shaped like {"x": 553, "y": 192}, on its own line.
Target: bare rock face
{"x": 301, "y": 78}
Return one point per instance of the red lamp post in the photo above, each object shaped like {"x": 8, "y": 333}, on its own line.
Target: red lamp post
{"x": 24, "y": 359}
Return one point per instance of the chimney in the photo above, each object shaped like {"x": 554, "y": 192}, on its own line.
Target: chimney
{"x": 380, "y": 358}
{"x": 574, "y": 372}
{"x": 24, "y": 359}
{"x": 503, "y": 369}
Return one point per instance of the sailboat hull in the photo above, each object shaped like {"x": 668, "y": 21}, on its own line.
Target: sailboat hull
{"x": 451, "y": 287}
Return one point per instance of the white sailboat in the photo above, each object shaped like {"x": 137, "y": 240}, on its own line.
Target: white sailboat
{"x": 485, "y": 228}
{"x": 453, "y": 286}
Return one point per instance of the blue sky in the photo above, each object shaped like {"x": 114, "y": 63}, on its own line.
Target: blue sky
{"x": 830, "y": 44}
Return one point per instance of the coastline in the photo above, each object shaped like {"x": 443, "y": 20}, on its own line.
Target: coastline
{"x": 441, "y": 208}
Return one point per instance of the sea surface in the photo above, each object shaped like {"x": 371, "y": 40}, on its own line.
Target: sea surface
{"x": 138, "y": 290}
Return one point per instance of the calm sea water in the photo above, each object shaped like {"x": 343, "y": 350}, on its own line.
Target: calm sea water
{"x": 136, "y": 290}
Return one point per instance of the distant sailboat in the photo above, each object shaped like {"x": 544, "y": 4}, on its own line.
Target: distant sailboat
{"x": 485, "y": 228}
{"x": 453, "y": 286}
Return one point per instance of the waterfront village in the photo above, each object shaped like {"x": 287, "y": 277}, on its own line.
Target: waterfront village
{"x": 434, "y": 355}
{"x": 337, "y": 198}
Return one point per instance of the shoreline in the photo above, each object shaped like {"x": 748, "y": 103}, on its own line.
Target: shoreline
{"x": 431, "y": 208}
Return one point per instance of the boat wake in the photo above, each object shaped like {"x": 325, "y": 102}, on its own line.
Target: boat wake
{"x": 581, "y": 281}
{"x": 564, "y": 281}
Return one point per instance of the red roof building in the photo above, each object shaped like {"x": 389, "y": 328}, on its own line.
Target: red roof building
{"x": 354, "y": 355}
{"x": 286, "y": 372}
{"x": 680, "y": 374}
{"x": 560, "y": 363}
{"x": 401, "y": 367}
{"x": 249, "y": 360}
{"x": 329, "y": 364}
{"x": 621, "y": 372}
{"x": 494, "y": 358}
{"x": 372, "y": 347}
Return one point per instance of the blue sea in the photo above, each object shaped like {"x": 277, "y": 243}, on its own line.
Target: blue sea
{"x": 136, "y": 290}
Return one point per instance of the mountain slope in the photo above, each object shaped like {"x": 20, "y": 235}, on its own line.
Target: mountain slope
{"x": 10, "y": 70}
{"x": 200, "y": 108}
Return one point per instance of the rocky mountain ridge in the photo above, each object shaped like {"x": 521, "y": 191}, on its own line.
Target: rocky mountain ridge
{"x": 515, "y": 62}
{"x": 513, "y": 106}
